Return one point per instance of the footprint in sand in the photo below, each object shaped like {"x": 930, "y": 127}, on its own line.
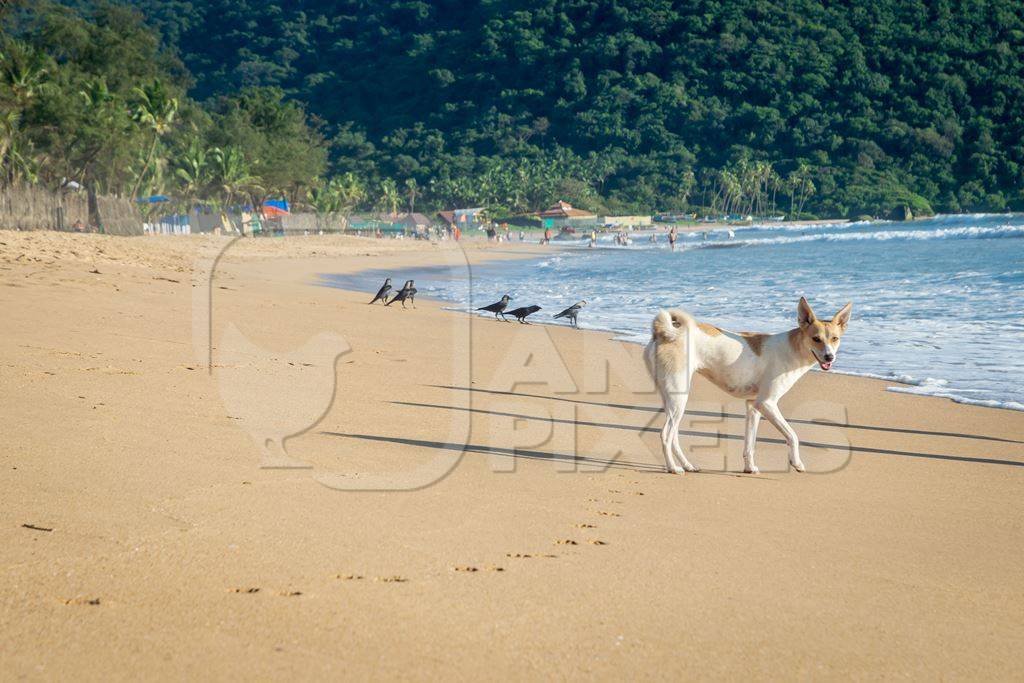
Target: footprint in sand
{"x": 471, "y": 569}
{"x": 289, "y": 594}
{"x": 582, "y": 525}
{"x": 82, "y": 601}
{"x": 350, "y": 577}
{"x": 244, "y": 590}
{"x": 594, "y": 541}
{"x": 565, "y": 541}
{"x": 608, "y": 514}
{"x": 390, "y": 579}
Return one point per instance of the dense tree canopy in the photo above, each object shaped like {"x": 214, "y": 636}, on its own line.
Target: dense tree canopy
{"x": 838, "y": 108}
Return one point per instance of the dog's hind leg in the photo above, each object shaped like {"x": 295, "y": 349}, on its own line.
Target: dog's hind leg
{"x": 678, "y": 449}
{"x": 675, "y": 408}
{"x": 671, "y": 466}
{"x": 671, "y": 404}
{"x": 750, "y": 438}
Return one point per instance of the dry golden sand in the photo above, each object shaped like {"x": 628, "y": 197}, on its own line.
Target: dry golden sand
{"x": 158, "y": 548}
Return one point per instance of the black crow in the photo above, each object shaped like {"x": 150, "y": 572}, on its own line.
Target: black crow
{"x": 497, "y": 308}
{"x": 382, "y": 293}
{"x": 521, "y": 313}
{"x": 407, "y": 292}
{"x": 572, "y": 312}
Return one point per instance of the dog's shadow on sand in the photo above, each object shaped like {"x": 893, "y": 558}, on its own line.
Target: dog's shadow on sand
{"x": 527, "y": 453}
{"x": 507, "y": 452}
{"x": 732, "y": 416}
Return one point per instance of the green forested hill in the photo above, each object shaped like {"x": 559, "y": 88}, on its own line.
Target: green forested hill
{"x": 846, "y": 107}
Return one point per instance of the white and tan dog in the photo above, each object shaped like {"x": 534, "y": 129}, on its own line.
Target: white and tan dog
{"x": 758, "y": 367}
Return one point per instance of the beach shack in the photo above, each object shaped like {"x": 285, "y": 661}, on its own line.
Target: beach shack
{"x": 564, "y": 215}
{"x": 416, "y": 224}
{"x": 463, "y": 219}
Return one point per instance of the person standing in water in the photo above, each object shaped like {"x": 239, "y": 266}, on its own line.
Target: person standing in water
{"x": 672, "y": 238}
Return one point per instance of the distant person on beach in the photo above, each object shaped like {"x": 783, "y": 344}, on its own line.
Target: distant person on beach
{"x": 672, "y": 238}
{"x": 522, "y": 235}
{"x": 547, "y": 236}
{"x": 593, "y": 238}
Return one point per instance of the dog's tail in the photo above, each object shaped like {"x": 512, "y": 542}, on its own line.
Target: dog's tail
{"x": 668, "y": 325}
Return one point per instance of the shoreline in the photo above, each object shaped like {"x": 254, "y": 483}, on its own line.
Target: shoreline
{"x": 904, "y": 386}
{"x": 142, "y": 535}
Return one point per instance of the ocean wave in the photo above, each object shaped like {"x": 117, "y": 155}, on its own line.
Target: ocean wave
{"x": 796, "y": 227}
{"x": 938, "y": 390}
{"x": 963, "y": 233}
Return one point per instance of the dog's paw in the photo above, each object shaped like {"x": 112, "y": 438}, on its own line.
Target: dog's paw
{"x": 751, "y": 470}
{"x": 674, "y": 470}
{"x": 691, "y": 468}
{"x": 799, "y": 467}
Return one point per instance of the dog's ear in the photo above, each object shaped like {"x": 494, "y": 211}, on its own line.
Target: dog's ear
{"x": 804, "y": 315}
{"x": 842, "y": 318}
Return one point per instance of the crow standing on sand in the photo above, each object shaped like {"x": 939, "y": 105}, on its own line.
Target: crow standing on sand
{"x": 497, "y": 308}
{"x": 572, "y": 312}
{"x": 408, "y": 291}
{"x": 382, "y": 293}
{"x": 521, "y": 313}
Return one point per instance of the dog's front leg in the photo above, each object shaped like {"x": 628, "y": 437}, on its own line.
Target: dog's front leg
{"x": 750, "y": 438}
{"x": 771, "y": 411}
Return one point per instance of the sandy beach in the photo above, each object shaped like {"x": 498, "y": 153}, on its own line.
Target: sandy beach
{"x": 455, "y": 496}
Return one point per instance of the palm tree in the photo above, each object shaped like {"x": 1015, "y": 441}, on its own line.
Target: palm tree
{"x": 231, "y": 173}
{"x": 412, "y": 190}
{"x": 323, "y": 196}
{"x": 150, "y": 181}
{"x": 686, "y": 187}
{"x": 100, "y": 105}
{"x": 20, "y": 165}
{"x": 97, "y": 97}
{"x": 351, "y": 193}
{"x": 24, "y": 71}
{"x": 800, "y": 187}
{"x": 8, "y": 129}
{"x": 155, "y": 111}
{"x": 192, "y": 171}
{"x": 388, "y": 200}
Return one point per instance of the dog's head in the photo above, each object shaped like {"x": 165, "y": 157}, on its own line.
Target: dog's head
{"x": 821, "y": 337}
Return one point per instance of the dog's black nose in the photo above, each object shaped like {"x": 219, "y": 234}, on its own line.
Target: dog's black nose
{"x": 829, "y": 357}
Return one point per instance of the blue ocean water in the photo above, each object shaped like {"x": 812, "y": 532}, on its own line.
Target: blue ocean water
{"x": 938, "y": 303}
